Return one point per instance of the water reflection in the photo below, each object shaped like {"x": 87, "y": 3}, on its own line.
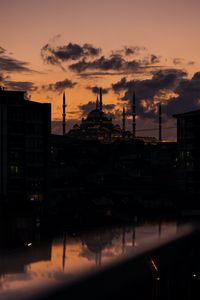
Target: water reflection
{"x": 28, "y": 257}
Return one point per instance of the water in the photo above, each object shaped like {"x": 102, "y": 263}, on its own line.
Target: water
{"x": 34, "y": 260}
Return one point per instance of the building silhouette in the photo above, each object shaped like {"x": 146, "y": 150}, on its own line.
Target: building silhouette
{"x": 99, "y": 126}
{"x": 25, "y": 128}
{"x": 188, "y": 150}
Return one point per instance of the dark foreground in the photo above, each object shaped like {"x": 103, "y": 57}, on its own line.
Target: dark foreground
{"x": 166, "y": 270}
{"x": 122, "y": 256}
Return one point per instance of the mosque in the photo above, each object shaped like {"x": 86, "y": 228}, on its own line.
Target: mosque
{"x": 97, "y": 125}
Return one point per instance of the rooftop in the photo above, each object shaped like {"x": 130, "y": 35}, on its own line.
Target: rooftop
{"x": 187, "y": 114}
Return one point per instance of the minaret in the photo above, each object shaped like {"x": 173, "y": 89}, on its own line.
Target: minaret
{"x": 134, "y": 114}
{"x": 123, "y": 122}
{"x": 64, "y": 251}
{"x": 123, "y": 239}
{"x": 160, "y": 121}
{"x": 100, "y": 103}
{"x": 97, "y": 102}
{"x": 133, "y": 237}
{"x": 64, "y": 114}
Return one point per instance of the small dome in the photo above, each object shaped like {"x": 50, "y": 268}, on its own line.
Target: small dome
{"x": 76, "y": 126}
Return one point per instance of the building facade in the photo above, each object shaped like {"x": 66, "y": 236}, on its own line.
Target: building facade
{"x": 188, "y": 150}
{"x": 25, "y": 128}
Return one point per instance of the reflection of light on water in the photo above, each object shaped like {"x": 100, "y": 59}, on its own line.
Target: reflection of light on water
{"x": 73, "y": 254}
{"x": 154, "y": 265}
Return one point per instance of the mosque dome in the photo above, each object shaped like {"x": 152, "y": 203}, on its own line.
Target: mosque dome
{"x": 96, "y": 115}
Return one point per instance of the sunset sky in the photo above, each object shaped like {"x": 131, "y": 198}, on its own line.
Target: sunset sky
{"x": 150, "y": 46}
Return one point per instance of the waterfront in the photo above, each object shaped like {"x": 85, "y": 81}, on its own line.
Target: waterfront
{"x": 39, "y": 260}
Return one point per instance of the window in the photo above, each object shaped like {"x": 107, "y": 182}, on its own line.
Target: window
{"x": 14, "y": 169}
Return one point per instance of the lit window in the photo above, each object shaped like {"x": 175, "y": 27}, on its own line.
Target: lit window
{"x": 36, "y": 197}
{"x": 14, "y": 169}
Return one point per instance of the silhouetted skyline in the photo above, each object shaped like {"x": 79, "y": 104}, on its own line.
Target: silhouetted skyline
{"x": 123, "y": 45}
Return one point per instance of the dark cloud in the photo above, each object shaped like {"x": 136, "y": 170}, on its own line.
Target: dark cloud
{"x": 109, "y": 106}
{"x": 132, "y": 50}
{"x": 96, "y": 89}
{"x": 100, "y": 74}
{"x": 2, "y": 50}
{"x": 59, "y": 86}
{"x": 162, "y": 79}
{"x": 146, "y": 90}
{"x": 56, "y": 55}
{"x": 115, "y": 62}
{"x": 86, "y": 108}
{"x": 21, "y": 85}
{"x": 188, "y": 98}
{"x": 87, "y": 59}
{"x": 16, "y": 85}
{"x": 9, "y": 64}
{"x": 154, "y": 59}
{"x": 121, "y": 85}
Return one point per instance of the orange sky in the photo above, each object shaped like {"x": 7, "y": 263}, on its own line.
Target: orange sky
{"x": 167, "y": 29}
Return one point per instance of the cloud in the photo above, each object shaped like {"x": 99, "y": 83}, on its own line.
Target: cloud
{"x": 96, "y": 89}
{"x": 178, "y": 61}
{"x": 3, "y": 78}
{"x": 2, "y": 50}
{"x": 21, "y": 86}
{"x": 132, "y": 50}
{"x": 191, "y": 63}
{"x": 147, "y": 88}
{"x": 57, "y": 55}
{"x": 59, "y": 86}
{"x": 115, "y": 62}
{"x": 98, "y": 75}
{"x": 109, "y": 106}
{"x": 87, "y": 59}
{"x": 86, "y": 108}
{"x": 154, "y": 59}
{"x": 9, "y": 64}
{"x": 150, "y": 91}
{"x": 17, "y": 85}
{"x": 188, "y": 91}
